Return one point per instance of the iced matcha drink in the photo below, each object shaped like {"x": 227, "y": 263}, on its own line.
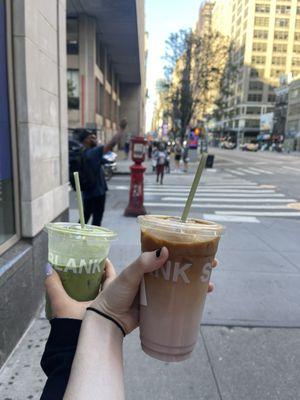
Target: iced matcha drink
{"x": 78, "y": 255}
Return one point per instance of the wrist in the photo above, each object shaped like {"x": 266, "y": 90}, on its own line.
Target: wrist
{"x": 105, "y": 322}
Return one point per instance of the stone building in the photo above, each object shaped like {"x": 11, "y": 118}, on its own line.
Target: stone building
{"x": 292, "y": 131}
{"x": 266, "y": 37}
{"x": 34, "y": 154}
{"x": 106, "y": 65}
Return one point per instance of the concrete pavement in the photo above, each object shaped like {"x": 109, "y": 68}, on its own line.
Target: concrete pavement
{"x": 249, "y": 345}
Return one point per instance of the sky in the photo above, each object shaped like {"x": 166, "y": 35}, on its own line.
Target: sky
{"x": 162, "y": 18}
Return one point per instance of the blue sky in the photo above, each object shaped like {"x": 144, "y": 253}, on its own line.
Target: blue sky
{"x": 162, "y": 18}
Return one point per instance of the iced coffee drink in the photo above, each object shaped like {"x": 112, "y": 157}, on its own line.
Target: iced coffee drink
{"x": 172, "y": 298}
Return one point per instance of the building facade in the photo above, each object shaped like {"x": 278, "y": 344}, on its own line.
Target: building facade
{"x": 292, "y": 130}
{"x": 266, "y": 44}
{"x": 33, "y": 154}
{"x": 106, "y": 65}
{"x": 214, "y": 32}
{"x": 205, "y": 17}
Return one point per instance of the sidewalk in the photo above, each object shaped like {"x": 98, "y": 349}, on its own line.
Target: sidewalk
{"x": 229, "y": 362}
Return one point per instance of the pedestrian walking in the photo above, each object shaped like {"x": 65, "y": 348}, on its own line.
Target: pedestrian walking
{"x": 95, "y": 195}
{"x": 154, "y": 157}
{"x": 161, "y": 157}
{"x": 150, "y": 150}
{"x": 127, "y": 148}
{"x": 185, "y": 158}
{"x": 178, "y": 154}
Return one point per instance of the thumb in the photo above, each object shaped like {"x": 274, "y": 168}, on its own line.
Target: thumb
{"x": 54, "y": 287}
{"x": 147, "y": 262}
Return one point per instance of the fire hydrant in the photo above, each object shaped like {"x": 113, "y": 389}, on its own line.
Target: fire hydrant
{"x": 136, "y": 195}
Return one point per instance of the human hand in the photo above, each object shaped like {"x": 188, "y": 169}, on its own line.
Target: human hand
{"x": 62, "y": 305}
{"x": 119, "y": 299}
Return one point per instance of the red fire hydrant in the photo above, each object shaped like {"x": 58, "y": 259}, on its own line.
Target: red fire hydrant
{"x": 136, "y": 194}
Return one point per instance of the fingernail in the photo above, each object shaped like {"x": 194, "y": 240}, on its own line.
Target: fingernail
{"x": 158, "y": 252}
{"x": 48, "y": 269}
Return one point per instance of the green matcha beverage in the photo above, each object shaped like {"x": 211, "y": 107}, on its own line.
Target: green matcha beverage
{"x": 78, "y": 255}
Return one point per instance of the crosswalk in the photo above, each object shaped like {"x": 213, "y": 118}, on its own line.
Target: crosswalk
{"x": 255, "y": 171}
{"x": 235, "y": 201}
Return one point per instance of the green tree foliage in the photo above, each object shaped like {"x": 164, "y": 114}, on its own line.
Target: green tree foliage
{"x": 191, "y": 75}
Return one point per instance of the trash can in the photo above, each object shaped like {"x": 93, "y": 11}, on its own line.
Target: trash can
{"x": 210, "y": 161}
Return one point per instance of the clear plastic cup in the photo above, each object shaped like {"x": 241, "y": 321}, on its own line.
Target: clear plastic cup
{"x": 78, "y": 255}
{"x": 172, "y": 298}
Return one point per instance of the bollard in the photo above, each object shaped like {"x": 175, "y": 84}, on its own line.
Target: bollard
{"x": 136, "y": 195}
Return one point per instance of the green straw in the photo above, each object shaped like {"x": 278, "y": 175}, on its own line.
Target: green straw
{"x": 79, "y": 200}
{"x": 193, "y": 190}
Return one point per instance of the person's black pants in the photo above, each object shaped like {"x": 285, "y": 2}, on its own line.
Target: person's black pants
{"x": 95, "y": 207}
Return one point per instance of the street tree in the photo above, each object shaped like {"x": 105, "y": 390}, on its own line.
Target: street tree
{"x": 191, "y": 75}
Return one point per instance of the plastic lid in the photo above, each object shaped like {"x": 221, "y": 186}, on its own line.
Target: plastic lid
{"x": 171, "y": 224}
{"x": 69, "y": 228}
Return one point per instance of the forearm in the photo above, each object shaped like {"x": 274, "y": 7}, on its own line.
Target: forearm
{"x": 97, "y": 370}
{"x": 115, "y": 139}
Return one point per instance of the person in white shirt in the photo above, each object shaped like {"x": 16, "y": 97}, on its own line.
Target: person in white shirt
{"x": 161, "y": 156}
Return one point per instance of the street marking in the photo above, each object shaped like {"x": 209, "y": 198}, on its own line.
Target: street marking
{"x": 225, "y": 200}
{"x": 236, "y": 172}
{"x": 205, "y": 195}
{"x": 230, "y": 218}
{"x": 119, "y": 187}
{"x": 221, "y": 186}
{"x": 203, "y": 190}
{"x": 261, "y": 171}
{"x": 214, "y": 206}
{"x": 292, "y": 169}
{"x": 260, "y": 214}
{"x": 247, "y": 171}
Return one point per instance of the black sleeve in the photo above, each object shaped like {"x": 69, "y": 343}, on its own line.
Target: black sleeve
{"x": 58, "y": 356}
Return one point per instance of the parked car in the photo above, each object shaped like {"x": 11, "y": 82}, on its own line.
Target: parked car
{"x": 250, "y": 147}
{"x": 228, "y": 145}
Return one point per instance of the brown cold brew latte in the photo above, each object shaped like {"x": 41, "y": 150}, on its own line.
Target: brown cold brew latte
{"x": 172, "y": 298}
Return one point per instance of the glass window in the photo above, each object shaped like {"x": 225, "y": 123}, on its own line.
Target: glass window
{"x": 256, "y": 85}
{"x": 261, "y": 21}
{"x": 282, "y": 22}
{"x": 262, "y": 8}
{"x": 281, "y": 35}
{"x": 107, "y": 105}
{"x": 260, "y": 34}
{"x": 259, "y": 47}
{"x": 8, "y": 227}
{"x": 73, "y": 89}
{"x": 283, "y": 9}
{"x": 258, "y": 59}
{"x": 252, "y": 123}
{"x": 253, "y": 110}
{"x": 72, "y": 36}
{"x": 280, "y": 48}
{"x": 255, "y": 97}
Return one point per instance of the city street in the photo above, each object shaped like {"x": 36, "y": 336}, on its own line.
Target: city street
{"x": 249, "y": 346}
